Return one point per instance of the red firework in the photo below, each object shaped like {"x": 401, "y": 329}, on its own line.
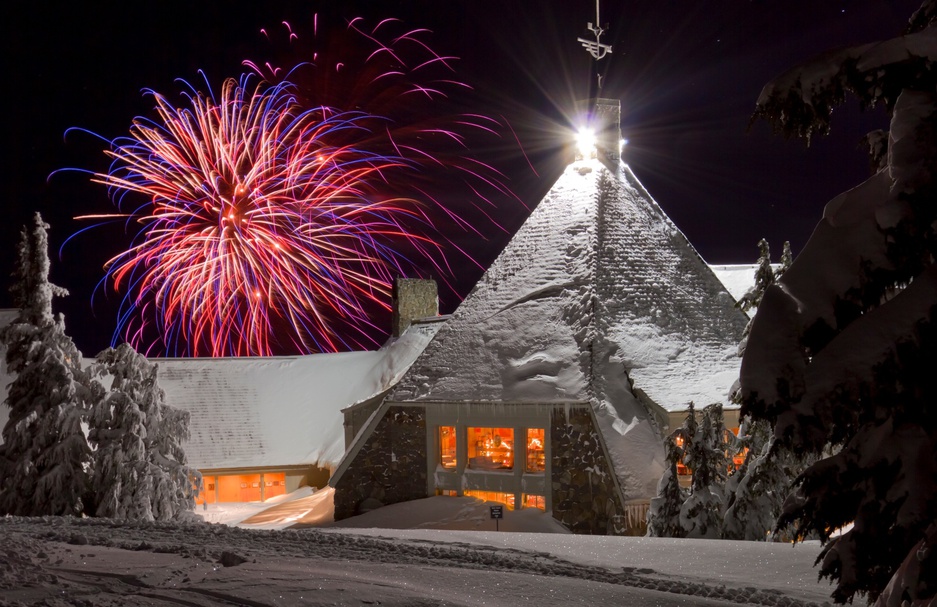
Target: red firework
{"x": 271, "y": 221}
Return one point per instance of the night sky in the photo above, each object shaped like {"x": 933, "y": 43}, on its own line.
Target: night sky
{"x": 687, "y": 73}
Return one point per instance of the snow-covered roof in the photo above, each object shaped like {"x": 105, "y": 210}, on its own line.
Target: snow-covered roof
{"x": 596, "y": 291}
{"x": 275, "y": 411}
{"x": 598, "y": 260}
{"x": 280, "y": 411}
{"x": 737, "y": 278}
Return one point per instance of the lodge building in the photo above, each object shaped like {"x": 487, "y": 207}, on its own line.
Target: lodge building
{"x": 553, "y": 383}
{"x": 550, "y": 387}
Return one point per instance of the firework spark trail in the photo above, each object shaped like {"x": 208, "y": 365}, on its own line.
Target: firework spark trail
{"x": 273, "y": 220}
{"x": 257, "y": 212}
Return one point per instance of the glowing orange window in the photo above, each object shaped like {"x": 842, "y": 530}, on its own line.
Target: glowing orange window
{"x": 536, "y": 459}
{"x": 274, "y": 484}
{"x": 491, "y": 448}
{"x": 493, "y": 496}
{"x": 447, "y": 447}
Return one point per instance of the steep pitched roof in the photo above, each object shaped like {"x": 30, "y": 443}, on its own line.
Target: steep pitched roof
{"x": 597, "y": 289}
{"x": 597, "y": 261}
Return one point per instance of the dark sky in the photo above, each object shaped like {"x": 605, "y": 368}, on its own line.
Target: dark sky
{"x": 687, "y": 72}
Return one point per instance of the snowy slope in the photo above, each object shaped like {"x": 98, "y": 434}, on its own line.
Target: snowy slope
{"x": 99, "y": 562}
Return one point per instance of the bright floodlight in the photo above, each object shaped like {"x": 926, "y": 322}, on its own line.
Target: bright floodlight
{"x": 585, "y": 142}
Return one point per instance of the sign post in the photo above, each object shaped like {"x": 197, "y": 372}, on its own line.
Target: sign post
{"x": 497, "y": 513}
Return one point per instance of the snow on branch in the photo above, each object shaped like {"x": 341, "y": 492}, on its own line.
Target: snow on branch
{"x": 799, "y": 103}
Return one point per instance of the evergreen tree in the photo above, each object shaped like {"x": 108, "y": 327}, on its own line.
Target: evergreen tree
{"x": 140, "y": 465}
{"x": 663, "y": 516}
{"x": 756, "y": 491}
{"x": 787, "y": 258}
{"x": 705, "y": 456}
{"x": 842, "y": 352}
{"x": 177, "y": 483}
{"x": 45, "y": 455}
{"x": 121, "y": 482}
{"x": 664, "y": 513}
{"x": 764, "y": 278}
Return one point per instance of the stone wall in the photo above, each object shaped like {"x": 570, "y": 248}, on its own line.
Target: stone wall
{"x": 390, "y": 467}
{"x": 357, "y": 415}
{"x": 607, "y": 117}
{"x": 413, "y": 298}
{"x": 584, "y": 496}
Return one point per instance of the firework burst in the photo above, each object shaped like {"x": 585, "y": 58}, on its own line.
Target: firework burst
{"x": 267, "y": 222}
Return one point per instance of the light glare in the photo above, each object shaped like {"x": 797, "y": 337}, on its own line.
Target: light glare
{"x": 585, "y": 142}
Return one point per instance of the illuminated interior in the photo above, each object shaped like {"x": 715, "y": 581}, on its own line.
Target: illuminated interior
{"x": 447, "y": 453}
{"x": 241, "y": 487}
{"x": 682, "y": 470}
{"x": 739, "y": 458}
{"x": 536, "y": 459}
{"x": 735, "y": 462}
{"x": 494, "y": 496}
{"x": 491, "y": 448}
{"x": 534, "y": 501}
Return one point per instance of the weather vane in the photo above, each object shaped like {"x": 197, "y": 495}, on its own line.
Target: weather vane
{"x": 596, "y": 49}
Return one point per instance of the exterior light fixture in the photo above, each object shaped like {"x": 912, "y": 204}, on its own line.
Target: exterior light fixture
{"x": 585, "y": 143}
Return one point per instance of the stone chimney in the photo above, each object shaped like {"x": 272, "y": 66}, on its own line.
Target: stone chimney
{"x": 413, "y": 298}
{"x": 607, "y": 120}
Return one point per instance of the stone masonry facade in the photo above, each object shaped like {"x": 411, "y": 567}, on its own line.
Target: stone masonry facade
{"x": 584, "y": 496}
{"x": 390, "y": 467}
{"x": 413, "y": 298}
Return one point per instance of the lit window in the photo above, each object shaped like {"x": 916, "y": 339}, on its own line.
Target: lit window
{"x": 535, "y": 501}
{"x": 536, "y": 460}
{"x": 682, "y": 470}
{"x": 447, "y": 447}
{"x": 493, "y": 496}
{"x": 491, "y": 448}
{"x": 207, "y": 493}
{"x": 274, "y": 484}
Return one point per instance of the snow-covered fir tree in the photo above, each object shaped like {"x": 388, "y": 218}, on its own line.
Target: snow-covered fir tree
{"x": 177, "y": 483}
{"x": 122, "y": 483}
{"x": 664, "y": 511}
{"x": 787, "y": 258}
{"x": 756, "y": 491}
{"x": 140, "y": 470}
{"x": 703, "y": 446}
{"x": 705, "y": 455}
{"x": 663, "y": 515}
{"x": 842, "y": 352}
{"x": 45, "y": 456}
{"x": 764, "y": 277}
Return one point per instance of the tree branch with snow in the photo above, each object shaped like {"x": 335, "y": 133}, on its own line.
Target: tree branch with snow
{"x": 841, "y": 352}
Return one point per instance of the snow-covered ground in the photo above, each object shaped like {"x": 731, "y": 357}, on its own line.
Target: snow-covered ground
{"x": 381, "y": 559}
